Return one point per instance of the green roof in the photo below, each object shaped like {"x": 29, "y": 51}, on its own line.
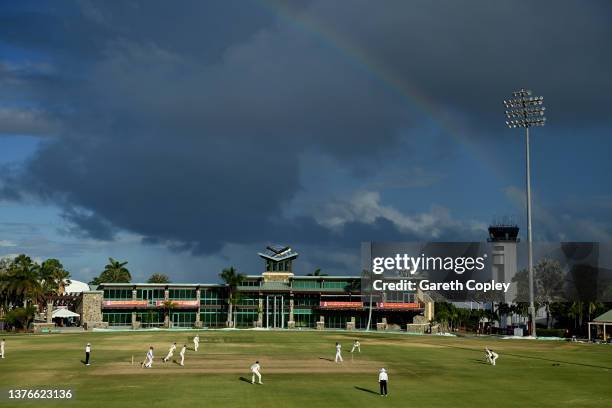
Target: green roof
{"x": 606, "y": 317}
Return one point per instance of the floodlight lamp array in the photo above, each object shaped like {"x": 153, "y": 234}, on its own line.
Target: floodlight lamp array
{"x": 525, "y": 110}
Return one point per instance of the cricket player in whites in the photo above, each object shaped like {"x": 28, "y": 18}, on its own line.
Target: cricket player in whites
{"x": 148, "y": 363}
{"x": 2, "y": 348}
{"x": 338, "y": 353}
{"x": 255, "y": 370}
{"x": 491, "y": 356}
{"x": 170, "y": 352}
{"x": 356, "y": 346}
{"x": 182, "y": 354}
{"x": 196, "y": 342}
{"x": 87, "y": 353}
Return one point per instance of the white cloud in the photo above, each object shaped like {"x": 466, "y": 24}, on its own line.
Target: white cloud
{"x": 17, "y": 121}
{"x": 366, "y": 207}
{"x": 4, "y": 243}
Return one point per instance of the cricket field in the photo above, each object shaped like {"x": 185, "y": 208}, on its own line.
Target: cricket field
{"x": 298, "y": 370}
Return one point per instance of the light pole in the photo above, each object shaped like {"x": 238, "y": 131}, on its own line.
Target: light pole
{"x": 525, "y": 111}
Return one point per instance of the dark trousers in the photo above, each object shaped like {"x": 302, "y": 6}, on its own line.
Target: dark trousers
{"x": 86, "y": 358}
{"x": 383, "y": 388}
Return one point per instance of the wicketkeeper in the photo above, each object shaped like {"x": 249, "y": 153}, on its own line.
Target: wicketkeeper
{"x": 196, "y": 342}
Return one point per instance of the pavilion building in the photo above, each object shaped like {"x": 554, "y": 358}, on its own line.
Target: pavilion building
{"x": 275, "y": 299}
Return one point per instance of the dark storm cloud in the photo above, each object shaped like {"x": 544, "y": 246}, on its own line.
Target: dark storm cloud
{"x": 185, "y": 124}
{"x": 467, "y": 55}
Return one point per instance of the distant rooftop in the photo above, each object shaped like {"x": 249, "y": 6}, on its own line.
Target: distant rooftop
{"x": 503, "y": 232}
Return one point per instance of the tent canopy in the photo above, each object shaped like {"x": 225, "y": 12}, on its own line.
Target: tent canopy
{"x": 64, "y": 313}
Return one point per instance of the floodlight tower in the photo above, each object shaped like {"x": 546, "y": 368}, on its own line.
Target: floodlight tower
{"x": 526, "y": 111}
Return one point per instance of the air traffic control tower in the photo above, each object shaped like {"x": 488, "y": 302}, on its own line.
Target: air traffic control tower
{"x": 503, "y": 238}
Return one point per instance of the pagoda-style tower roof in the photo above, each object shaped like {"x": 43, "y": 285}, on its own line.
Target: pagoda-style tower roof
{"x": 278, "y": 253}
{"x": 279, "y": 261}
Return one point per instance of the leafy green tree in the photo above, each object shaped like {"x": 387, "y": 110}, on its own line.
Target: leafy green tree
{"x": 21, "y": 317}
{"x": 232, "y": 279}
{"x": 446, "y": 315}
{"x": 548, "y": 277}
{"x": 114, "y": 272}
{"x": 158, "y": 278}
{"x": 521, "y": 279}
{"x": 54, "y": 276}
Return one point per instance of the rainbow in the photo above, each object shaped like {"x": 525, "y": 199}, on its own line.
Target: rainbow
{"x": 391, "y": 80}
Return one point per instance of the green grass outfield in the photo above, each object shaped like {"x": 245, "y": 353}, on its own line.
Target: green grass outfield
{"x": 298, "y": 371}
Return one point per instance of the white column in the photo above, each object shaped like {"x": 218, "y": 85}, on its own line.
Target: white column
{"x": 589, "y": 331}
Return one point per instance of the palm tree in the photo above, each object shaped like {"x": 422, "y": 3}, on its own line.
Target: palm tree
{"x": 592, "y": 307}
{"x": 317, "y": 272}
{"x": 4, "y": 270}
{"x": 235, "y": 300}
{"x": 22, "y": 282}
{"x": 158, "y": 278}
{"x": 168, "y": 305}
{"x": 114, "y": 272}
{"x": 504, "y": 310}
{"x": 575, "y": 311}
{"x": 232, "y": 279}
{"x": 54, "y": 276}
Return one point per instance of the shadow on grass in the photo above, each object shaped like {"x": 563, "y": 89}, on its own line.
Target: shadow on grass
{"x": 533, "y": 358}
{"x": 480, "y": 362}
{"x": 366, "y": 390}
{"x": 326, "y": 359}
{"x": 246, "y": 380}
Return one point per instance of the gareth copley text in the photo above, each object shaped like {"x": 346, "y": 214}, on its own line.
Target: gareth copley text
{"x": 427, "y": 285}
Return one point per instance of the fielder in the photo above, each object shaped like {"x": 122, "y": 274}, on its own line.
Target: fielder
{"x": 255, "y": 370}
{"x": 356, "y": 346}
{"x": 491, "y": 356}
{"x": 170, "y": 352}
{"x": 148, "y": 363}
{"x": 87, "y": 353}
{"x": 338, "y": 353}
{"x": 196, "y": 342}
{"x": 182, "y": 354}
{"x": 2, "y": 348}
